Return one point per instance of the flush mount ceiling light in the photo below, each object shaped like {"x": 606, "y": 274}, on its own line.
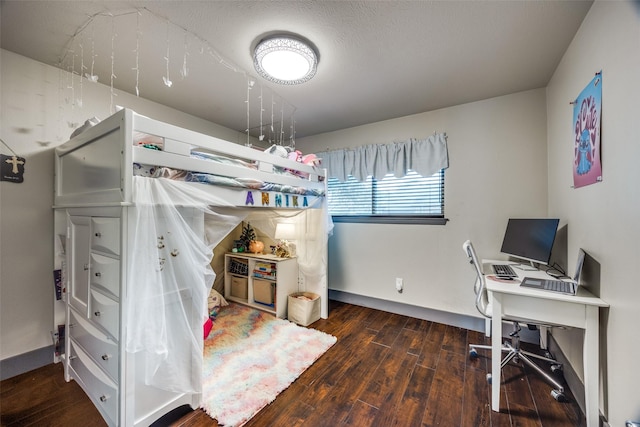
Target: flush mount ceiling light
{"x": 285, "y": 60}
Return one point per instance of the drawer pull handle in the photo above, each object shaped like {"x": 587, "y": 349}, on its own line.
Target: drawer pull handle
{"x": 103, "y": 398}
{"x": 106, "y": 357}
{"x": 96, "y": 313}
{"x": 72, "y": 325}
{"x": 73, "y": 357}
{"x": 98, "y": 274}
{"x": 98, "y": 234}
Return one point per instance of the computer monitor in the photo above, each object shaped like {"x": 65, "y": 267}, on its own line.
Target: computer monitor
{"x": 530, "y": 239}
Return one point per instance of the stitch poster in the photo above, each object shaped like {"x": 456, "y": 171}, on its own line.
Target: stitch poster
{"x": 587, "y": 114}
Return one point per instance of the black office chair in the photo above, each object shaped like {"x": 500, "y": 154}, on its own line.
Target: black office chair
{"x": 513, "y": 350}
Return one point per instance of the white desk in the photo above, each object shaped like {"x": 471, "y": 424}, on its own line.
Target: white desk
{"x": 579, "y": 311}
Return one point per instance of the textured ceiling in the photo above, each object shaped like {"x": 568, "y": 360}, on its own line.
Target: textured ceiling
{"x": 378, "y": 59}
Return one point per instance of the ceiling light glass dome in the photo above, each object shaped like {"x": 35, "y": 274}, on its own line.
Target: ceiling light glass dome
{"x": 285, "y": 60}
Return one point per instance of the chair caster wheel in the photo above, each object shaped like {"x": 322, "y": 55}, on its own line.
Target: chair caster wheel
{"x": 558, "y": 396}
{"x": 556, "y": 368}
{"x": 489, "y": 379}
{"x": 473, "y": 353}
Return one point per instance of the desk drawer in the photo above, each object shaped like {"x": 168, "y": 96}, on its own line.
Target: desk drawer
{"x": 102, "y": 391}
{"x": 105, "y": 235}
{"x": 102, "y": 349}
{"x": 105, "y": 273}
{"x": 105, "y": 312}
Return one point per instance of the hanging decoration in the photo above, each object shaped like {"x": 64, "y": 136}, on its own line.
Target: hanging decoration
{"x": 250, "y": 83}
{"x": 137, "y": 52}
{"x": 184, "y": 72}
{"x": 281, "y": 138}
{"x": 11, "y": 167}
{"x": 587, "y": 115}
{"x": 272, "y": 133}
{"x": 113, "y": 60}
{"x": 92, "y": 77}
{"x": 72, "y": 67}
{"x": 85, "y": 35}
{"x": 82, "y": 68}
{"x": 261, "y": 136}
{"x": 166, "y": 79}
{"x": 292, "y": 131}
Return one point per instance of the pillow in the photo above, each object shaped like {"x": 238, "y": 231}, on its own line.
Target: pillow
{"x": 214, "y": 303}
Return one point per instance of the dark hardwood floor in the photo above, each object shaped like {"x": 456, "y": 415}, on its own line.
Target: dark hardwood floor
{"x": 385, "y": 370}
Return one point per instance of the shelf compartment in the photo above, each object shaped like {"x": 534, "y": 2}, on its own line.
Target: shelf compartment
{"x": 264, "y": 292}
{"x": 239, "y": 287}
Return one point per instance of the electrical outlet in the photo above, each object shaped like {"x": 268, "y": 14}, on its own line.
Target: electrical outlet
{"x": 399, "y": 284}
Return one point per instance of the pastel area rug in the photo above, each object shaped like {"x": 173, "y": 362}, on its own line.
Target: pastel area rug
{"x": 250, "y": 357}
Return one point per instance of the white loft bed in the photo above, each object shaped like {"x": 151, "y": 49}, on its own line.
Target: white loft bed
{"x": 138, "y": 247}
{"x": 97, "y": 166}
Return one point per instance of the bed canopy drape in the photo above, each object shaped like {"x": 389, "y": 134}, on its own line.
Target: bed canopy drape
{"x": 170, "y": 221}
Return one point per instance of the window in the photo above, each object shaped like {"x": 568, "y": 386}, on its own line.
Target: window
{"x": 412, "y": 199}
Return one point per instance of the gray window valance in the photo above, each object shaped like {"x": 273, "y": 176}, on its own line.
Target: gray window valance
{"x": 424, "y": 156}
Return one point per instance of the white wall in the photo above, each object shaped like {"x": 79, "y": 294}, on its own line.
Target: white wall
{"x": 35, "y": 118}
{"x": 498, "y": 169}
{"x": 604, "y": 218}
{"x": 510, "y": 156}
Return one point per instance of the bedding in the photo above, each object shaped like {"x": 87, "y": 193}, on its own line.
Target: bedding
{"x": 309, "y": 159}
{"x": 207, "y": 178}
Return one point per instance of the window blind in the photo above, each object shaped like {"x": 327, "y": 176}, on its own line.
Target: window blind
{"x": 411, "y": 195}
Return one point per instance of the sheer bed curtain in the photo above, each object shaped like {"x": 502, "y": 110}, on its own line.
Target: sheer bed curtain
{"x": 424, "y": 156}
{"x": 173, "y": 228}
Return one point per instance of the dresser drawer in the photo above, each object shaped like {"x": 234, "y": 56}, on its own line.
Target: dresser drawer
{"x": 105, "y": 273}
{"x": 105, "y": 312}
{"x": 102, "y": 391}
{"x": 102, "y": 349}
{"x": 105, "y": 235}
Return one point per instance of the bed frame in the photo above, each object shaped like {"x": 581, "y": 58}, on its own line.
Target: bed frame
{"x": 97, "y": 165}
{"x": 93, "y": 208}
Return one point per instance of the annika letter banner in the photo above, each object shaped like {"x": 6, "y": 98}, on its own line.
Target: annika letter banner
{"x": 587, "y": 115}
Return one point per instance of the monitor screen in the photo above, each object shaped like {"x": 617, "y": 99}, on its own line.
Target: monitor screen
{"x": 530, "y": 239}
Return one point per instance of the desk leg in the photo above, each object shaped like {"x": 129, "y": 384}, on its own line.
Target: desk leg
{"x": 544, "y": 334}
{"x": 591, "y": 366}
{"x": 496, "y": 351}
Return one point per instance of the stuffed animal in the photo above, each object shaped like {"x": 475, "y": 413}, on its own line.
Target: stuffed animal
{"x": 296, "y": 156}
{"x": 311, "y": 160}
{"x": 277, "y": 150}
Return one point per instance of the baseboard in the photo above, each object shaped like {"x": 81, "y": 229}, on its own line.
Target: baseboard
{"x": 453, "y": 319}
{"x": 12, "y": 366}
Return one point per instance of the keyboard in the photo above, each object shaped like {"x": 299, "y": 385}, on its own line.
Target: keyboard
{"x": 504, "y": 271}
{"x": 550, "y": 285}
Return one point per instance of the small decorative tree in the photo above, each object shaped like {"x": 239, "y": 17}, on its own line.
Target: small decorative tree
{"x": 248, "y": 234}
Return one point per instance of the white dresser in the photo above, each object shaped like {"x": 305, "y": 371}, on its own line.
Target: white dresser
{"x": 93, "y": 316}
{"x": 96, "y": 288}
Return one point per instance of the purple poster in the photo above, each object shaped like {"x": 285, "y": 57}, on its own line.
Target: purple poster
{"x": 587, "y": 114}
